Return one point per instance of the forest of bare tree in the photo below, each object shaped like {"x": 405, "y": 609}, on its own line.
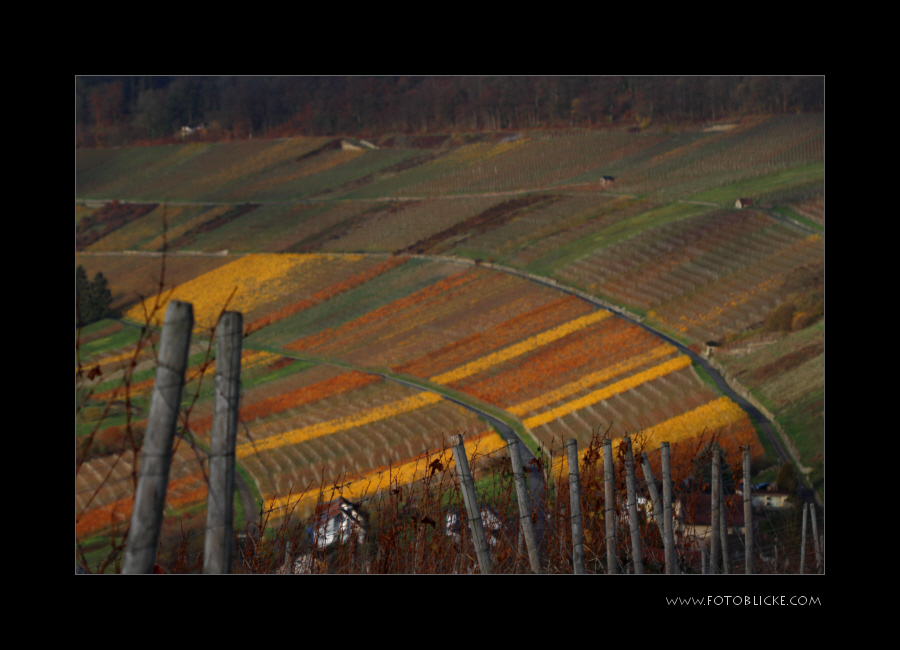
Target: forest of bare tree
{"x": 123, "y": 110}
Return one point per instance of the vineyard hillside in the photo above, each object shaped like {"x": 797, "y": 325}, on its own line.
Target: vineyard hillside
{"x": 547, "y": 278}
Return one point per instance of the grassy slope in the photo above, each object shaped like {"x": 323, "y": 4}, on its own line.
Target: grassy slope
{"x": 565, "y": 255}
{"x": 765, "y": 185}
{"x": 792, "y": 387}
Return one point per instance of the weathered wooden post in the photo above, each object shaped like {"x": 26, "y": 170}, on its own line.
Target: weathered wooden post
{"x": 527, "y": 525}
{"x": 156, "y": 454}
{"x": 609, "y": 515}
{"x": 748, "y": 514}
{"x": 631, "y": 495}
{"x": 220, "y": 504}
{"x": 655, "y": 499}
{"x": 714, "y": 513}
{"x": 575, "y": 507}
{"x": 803, "y": 544}
{"x": 467, "y": 483}
{"x": 657, "y": 504}
{"x": 668, "y": 519}
{"x": 723, "y": 528}
{"x": 815, "y": 531}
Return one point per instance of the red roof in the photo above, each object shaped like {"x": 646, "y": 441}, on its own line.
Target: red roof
{"x": 696, "y": 509}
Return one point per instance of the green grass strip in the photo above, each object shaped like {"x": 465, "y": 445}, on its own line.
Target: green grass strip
{"x": 121, "y": 339}
{"x": 790, "y": 213}
{"x": 705, "y": 377}
{"x": 755, "y": 187}
{"x": 574, "y": 251}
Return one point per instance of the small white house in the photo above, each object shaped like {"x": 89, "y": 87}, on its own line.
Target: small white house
{"x": 190, "y": 130}
{"x": 770, "y": 498}
{"x": 338, "y": 522}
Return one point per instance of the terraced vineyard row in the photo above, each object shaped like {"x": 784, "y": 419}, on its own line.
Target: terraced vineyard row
{"x": 704, "y": 276}
{"x": 664, "y": 164}
{"x": 754, "y": 149}
{"x": 556, "y": 364}
{"x": 560, "y": 364}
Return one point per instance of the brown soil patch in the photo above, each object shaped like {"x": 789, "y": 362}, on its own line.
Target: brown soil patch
{"x": 492, "y": 218}
{"x": 787, "y": 362}
{"x": 110, "y": 217}
{"x": 208, "y": 226}
{"x": 334, "y": 144}
{"x": 315, "y": 241}
{"x": 362, "y": 181}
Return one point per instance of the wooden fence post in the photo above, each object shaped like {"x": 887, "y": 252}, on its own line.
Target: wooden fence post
{"x": 467, "y": 483}
{"x": 714, "y": 514}
{"x": 803, "y": 544}
{"x": 815, "y": 531}
{"x": 657, "y": 504}
{"x": 156, "y": 453}
{"x": 655, "y": 500}
{"x": 723, "y": 529}
{"x": 748, "y": 514}
{"x": 575, "y": 507}
{"x": 527, "y": 525}
{"x": 631, "y": 495}
{"x": 220, "y": 504}
{"x": 668, "y": 523}
{"x": 609, "y": 515}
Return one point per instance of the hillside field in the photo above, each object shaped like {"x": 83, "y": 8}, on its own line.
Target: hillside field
{"x": 357, "y": 268}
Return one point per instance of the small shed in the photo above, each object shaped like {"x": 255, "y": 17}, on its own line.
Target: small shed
{"x": 743, "y": 203}
{"x": 608, "y": 179}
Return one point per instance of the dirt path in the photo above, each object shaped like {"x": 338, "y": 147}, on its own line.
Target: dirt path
{"x": 791, "y": 222}
{"x": 565, "y": 189}
{"x": 535, "y": 483}
{"x": 723, "y": 385}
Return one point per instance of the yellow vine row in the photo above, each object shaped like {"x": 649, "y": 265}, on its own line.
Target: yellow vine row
{"x": 333, "y": 426}
{"x": 373, "y": 482}
{"x": 521, "y": 348}
{"x": 711, "y": 416}
{"x": 592, "y": 379}
{"x": 605, "y": 393}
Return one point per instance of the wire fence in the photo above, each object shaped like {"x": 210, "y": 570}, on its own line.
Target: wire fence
{"x": 418, "y": 524}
